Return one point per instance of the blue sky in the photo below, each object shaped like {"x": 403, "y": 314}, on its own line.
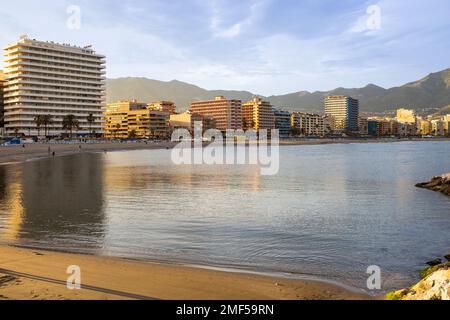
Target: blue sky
{"x": 264, "y": 46}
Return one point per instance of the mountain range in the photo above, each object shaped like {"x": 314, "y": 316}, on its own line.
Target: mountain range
{"x": 433, "y": 91}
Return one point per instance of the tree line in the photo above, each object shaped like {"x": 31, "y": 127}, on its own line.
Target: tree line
{"x": 69, "y": 123}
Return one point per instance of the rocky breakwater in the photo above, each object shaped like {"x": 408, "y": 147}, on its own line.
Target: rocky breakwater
{"x": 435, "y": 284}
{"x": 440, "y": 184}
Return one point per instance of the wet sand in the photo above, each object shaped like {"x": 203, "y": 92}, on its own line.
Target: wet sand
{"x": 39, "y": 275}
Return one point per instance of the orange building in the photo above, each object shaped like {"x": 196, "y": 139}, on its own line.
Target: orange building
{"x": 226, "y": 113}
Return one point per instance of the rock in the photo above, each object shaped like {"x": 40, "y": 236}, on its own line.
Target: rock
{"x": 434, "y": 262}
{"x": 435, "y": 286}
{"x": 441, "y": 184}
{"x": 447, "y": 257}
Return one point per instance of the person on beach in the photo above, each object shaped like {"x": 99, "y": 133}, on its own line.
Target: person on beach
{"x": 53, "y": 154}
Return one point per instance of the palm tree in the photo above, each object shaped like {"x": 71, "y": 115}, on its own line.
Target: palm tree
{"x": 46, "y": 121}
{"x": 70, "y": 123}
{"x": 2, "y": 119}
{"x": 132, "y": 134}
{"x": 295, "y": 130}
{"x": 90, "y": 120}
{"x": 244, "y": 124}
{"x": 39, "y": 121}
{"x": 117, "y": 126}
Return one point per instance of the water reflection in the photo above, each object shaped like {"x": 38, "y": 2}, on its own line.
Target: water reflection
{"x": 52, "y": 199}
{"x": 11, "y": 198}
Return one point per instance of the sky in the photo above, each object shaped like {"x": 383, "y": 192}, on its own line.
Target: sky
{"x": 263, "y": 46}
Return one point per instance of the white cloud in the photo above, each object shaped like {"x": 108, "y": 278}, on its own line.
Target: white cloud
{"x": 255, "y": 12}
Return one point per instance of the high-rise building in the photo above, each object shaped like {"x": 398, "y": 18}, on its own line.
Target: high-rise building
{"x": 2, "y": 123}
{"x": 343, "y": 112}
{"x": 283, "y": 122}
{"x": 164, "y": 106}
{"x": 308, "y": 124}
{"x": 257, "y": 114}
{"x": 226, "y": 113}
{"x": 46, "y": 78}
{"x": 132, "y": 119}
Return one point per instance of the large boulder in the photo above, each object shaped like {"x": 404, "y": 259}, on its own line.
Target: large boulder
{"x": 440, "y": 184}
{"x": 434, "y": 286}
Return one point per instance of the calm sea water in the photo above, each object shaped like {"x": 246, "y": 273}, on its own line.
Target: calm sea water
{"x": 332, "y": 211}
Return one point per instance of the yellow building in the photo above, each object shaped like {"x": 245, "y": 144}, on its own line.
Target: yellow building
{"x": 257, "y": 114}
{"x": 446, "y": 120}
{"x": 131, "y": 119}
{"x": 425, "y": 127}
{"x": 406, "y": 116}
{"x": 187, "y": 121}
{"x": 164, "y": 106}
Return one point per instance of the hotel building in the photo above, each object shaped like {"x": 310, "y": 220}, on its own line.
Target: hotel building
{"x": 408, "y": 122}
{"x": 363, "y": 126}
{"x": 131, "y": 119}
{"x": 257, "y": 115}
{"x": 2, "y": 82}
{"x": 164, "y": 106}
{"x": 446, "y": 120}
{"x": 406, "y": 116}
{"x": 344, "y": 113}
{"x": 308, "y": 124}
{"x": 187, "y": 121}
{"x": 46, "y": 78}
{"x": 425, "y": 127}
{"x": 382, "y": 127}
{"x": 438, "y": 128}
{"x": 226, "y": 113}
{"x": 282, "y": 122}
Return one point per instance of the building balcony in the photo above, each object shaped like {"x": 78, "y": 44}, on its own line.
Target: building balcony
{"x": 52, "y": 65}
{"x": 93, "y": 87}
{"x": 50, "y": 55}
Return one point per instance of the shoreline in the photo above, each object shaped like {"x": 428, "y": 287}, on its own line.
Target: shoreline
{"x": 18, "y": 154}
{"x": 41, "y": 274}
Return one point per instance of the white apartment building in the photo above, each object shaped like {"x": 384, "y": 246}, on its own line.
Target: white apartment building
{"x": 46, "y": 78}
{"x": 309, "y": 124}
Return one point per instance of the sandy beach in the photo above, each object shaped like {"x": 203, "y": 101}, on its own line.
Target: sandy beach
{"x": 14, "y": 154}
{"x": 39, "y": 275}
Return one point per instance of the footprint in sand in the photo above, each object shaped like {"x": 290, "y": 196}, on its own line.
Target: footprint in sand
{"x": 4, "y": 280}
